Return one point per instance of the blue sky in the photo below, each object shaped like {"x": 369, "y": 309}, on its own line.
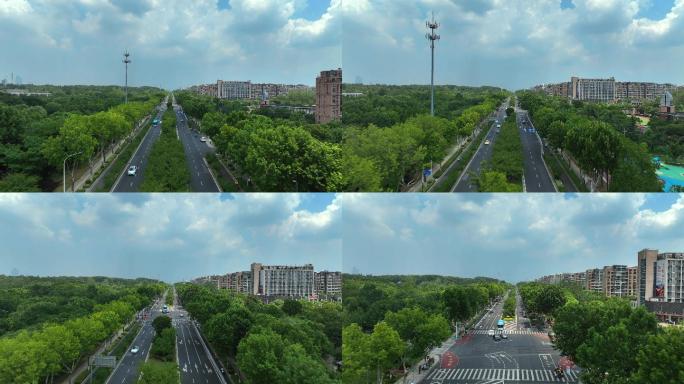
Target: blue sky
{"x": 166, "y": 236}
{"x": 181, "y": 236}
{"x": 514, "y": 43}
{"x": 173, "y": 43}
{"x": 509, "y": 43}
{"x": 508, "y": 236}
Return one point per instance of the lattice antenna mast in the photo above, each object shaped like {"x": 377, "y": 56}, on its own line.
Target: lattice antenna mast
{"x": 126, "y": 61}
{"x": 432, "y": 37}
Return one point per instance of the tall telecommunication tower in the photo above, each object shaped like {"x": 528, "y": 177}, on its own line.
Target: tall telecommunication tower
{"x": 126, "y": 61}
{"x": 432, "y": 36}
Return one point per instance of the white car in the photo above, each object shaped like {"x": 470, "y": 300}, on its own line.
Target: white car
{"x": 203, "y": 139}
{"x": 498, "y": 125}
{"x": 135, "y": 349}
{"x": 490, "y": 332}
{"x": 132, "y": 170}
{"x": 487, "y": 142}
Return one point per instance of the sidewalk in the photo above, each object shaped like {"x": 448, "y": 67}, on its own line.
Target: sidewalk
{"x": 418, "y": 186}
{"x": 413, "y": 376}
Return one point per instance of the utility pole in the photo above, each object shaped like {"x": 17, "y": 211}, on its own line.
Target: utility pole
{"x": 432, "y": 37}
{"x": 126, "y": 61}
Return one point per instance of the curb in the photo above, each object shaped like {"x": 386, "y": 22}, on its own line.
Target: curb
{"x": 210, "y": 356}
{"x": 211, "y": 172}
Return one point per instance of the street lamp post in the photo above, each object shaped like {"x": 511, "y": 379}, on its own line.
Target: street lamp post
{"x": 64, "y": 169}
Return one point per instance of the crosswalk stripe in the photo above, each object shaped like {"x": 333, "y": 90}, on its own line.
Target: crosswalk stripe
{"x": 510, "y": 332}
{"x": 493, "y": 374}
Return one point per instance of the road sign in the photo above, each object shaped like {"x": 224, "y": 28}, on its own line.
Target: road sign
{"x": 102, "y": 361}
{"x": 427, "y": 172}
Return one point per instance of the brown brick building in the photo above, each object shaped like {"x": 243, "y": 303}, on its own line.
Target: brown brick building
{"x": 329, "y": 96}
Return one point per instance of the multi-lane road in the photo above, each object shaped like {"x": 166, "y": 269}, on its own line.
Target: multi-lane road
{"x": 126, "y": 183}
{"x": 128, "y": 369}
{"x": 195, "y": 151}
{"x": 537, "y": 177}
{"x": 526, "y": 356}
{"x": 482, "y": 156}
{"x": 196, "y": 364}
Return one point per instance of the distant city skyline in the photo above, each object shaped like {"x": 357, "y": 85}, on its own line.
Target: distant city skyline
{"x": 516, "y": 237}
{"x": 171, "y": 45}
{"x": 514, "y": 44}
{"x": 171, "y": 237}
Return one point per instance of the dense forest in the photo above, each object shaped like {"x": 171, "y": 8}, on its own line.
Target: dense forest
{"x": 600, "y": 137}
{"x": 281, "y": 342}
{"x": 612, "y": 341}
{"x": 38, "y": 132}
{"x": 393, "y": 321}
{"x": 383, "y": 142}
{"x": 49, "y": 324}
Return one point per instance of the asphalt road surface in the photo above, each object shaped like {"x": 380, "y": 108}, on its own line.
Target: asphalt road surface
{"x": 196, "y": 366}
{"x": 537, "y": 178}
{"x": 527, "y": 356}
{"x": 195, "y": 151}
{"x": 128, "y": 370}
{"x": 482, "y": 155}
{"x": 126, "y": 183}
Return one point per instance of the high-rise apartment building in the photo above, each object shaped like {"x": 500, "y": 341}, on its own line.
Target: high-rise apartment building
{"x": 669, "y": 278}
{"x": 601, "y": 90}
{"x": 240, "y": 282}
{"x": 615, "y": 280}
{"x": 632, "y": 281}
{"x": 607, "y": 90}
{"x": 283, "y": 280}
{"x": 328, "y": 96}
{"x": 646, "y": 274}
{"x": 594, "y": 280}
{"x": 329, "y": 283}
{"x": 233, "y": 89}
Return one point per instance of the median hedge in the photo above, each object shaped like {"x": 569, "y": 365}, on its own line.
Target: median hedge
{"x": 166, "y": 169}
